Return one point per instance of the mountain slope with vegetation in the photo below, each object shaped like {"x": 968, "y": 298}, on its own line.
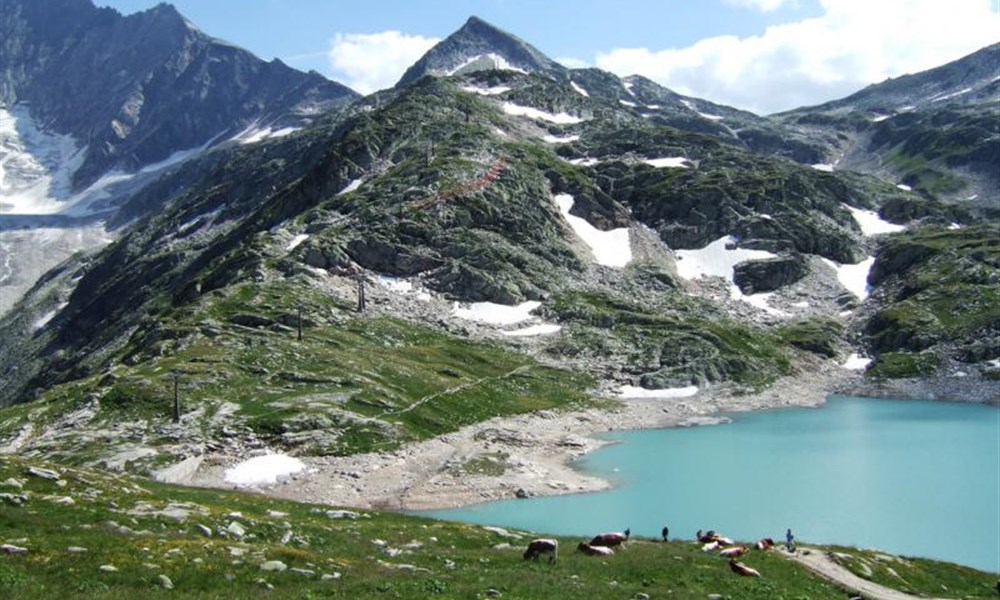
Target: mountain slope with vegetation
{"x": 494, "y": 241}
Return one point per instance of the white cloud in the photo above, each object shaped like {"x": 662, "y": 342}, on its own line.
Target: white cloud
{"x": 571, "y": 62}
{"x": 367, "y": 62}
{"x": 854, "y": 43}
{"x": 761, "y": 5}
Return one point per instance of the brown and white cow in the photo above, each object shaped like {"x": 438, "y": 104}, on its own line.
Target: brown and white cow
{"x": 733, "y": 551}
{"x": 741, "y": 569}
{"x": 594, "y": 550}
{"x": 541, "y": 546}
{"x": 764, "y": 544}
{"x": 611, "y": 540}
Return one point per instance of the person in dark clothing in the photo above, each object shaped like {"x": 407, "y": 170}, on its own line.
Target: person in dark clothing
{"x": 665, "y": 532}
{"x": 789, "y": 541}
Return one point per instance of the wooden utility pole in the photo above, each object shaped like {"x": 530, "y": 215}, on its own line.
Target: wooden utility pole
{"x": 177, "y": 399}
{"x": 361, "y": 292}
{"x": 299, "y": 308}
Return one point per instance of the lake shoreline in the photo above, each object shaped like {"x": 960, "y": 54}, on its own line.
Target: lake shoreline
{"x": 535, "y": 454}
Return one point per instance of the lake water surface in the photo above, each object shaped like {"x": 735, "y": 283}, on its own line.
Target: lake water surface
{"x": 908, "y": 477}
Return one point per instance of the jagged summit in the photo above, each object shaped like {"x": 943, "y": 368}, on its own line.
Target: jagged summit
{"x": 477, "y": 46}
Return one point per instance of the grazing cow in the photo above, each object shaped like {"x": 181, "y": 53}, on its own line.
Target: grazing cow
{"x": 542, "y": 546}
{"x": 765, "y": 544}
{"x": 594, "y": 550}
{"x": 741, "y": 569}
{"x": 733, "y": 551}
{"x": 711, "y": 546}
{"x": 709, "y": 536}
{"x": 725, "y": 541}
{"x": 610, "y": 540}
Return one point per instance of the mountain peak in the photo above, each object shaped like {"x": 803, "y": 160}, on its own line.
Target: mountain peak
{"x": 476, "y": 46}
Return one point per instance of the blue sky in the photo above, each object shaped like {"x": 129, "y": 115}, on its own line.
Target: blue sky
{"x": 762, "y": 55}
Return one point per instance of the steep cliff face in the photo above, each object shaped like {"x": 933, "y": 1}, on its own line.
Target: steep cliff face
{"x": 134, "y": 89}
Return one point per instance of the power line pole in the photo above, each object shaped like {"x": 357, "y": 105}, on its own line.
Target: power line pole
{"x": 299, "y": 308}
{"x": 177, "y": 401}
{"x": 361, "y": 292}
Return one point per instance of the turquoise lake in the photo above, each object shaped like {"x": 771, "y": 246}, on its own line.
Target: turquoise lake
{"x": 908, "y": 477}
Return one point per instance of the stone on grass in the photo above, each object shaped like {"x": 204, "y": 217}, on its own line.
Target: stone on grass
{"x": 13, "y": 500}
{"x": 500, "y": 531}
{"x": 330, "y": 576}
{"x": 76, "y": 549}
{"x": 273, "y": 565}
{"x": 43, "y": 473}
{"x": 14, "y": 483}
{"x": 236, "y": 529}
{"x": 108, "y": 568}
{"x": 165, "y": 582}
{"x": 12, "y": 549}
{"x": 204, "y": 530}
{"x": 343, "y": 514}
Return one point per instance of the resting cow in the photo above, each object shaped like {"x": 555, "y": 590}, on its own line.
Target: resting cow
{"x": 733, "y": 551}
{"x": 741, "y": 569}
{"x": 765, "y": 544}
{"x": 542, "y": 546}
{"x": 594, "y": 550}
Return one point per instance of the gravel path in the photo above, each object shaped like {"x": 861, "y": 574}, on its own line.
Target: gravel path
{"x": 820, "y": 563}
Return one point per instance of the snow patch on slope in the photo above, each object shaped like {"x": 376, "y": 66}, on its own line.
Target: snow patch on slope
{"x": 871, "y": 223}
{"x": 540, "y": 115}
{"x": 263, "y": 469}
{"x": 495, "y": 314}
{"x": 565, "y": 139}
{"x": 500, "y": 63}
{"x": 579, "y": 90}
{"x": 853, "y": 277}
{"x": 673, "y": 162}
{"x": 610, "y": 248}
{"x": 628, "y": 391}
{"x": 490, "y": 91}
{"x": 718, "y": 260}
{"x": 856, "y": 362}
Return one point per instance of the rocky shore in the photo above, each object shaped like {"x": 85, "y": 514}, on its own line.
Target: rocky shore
{"x": 524, "y": 455}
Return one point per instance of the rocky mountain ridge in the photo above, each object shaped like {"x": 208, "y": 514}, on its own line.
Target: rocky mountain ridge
{"x": 77, "y": 67}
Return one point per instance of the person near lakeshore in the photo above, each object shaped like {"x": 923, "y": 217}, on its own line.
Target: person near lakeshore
{"x": 789, "y": 541}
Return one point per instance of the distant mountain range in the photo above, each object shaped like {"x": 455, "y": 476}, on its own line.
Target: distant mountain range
{"x": 492, "y": 204}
